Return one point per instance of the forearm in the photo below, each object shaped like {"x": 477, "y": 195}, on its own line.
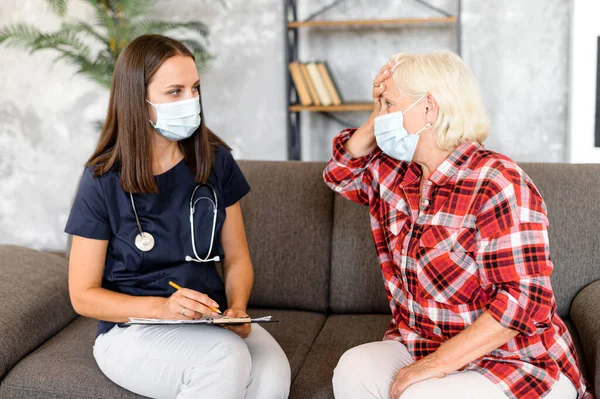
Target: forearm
{"x": 102, "y": 304}
{"x": 239, "y": 279}
{"x": 362, "y": 141}
{"x": 483, "y": 336}
{"x": 348, "y": 173}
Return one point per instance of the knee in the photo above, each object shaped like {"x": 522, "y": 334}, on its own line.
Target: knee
{"x": 234, "y": 353}
{"x": 223, "y": 371}
{"x": 271, "y": 374}
{"x": 228, "y": 354}
{"x": 279, "y": 378}
{"x": 276, "y": 389}
{"x": 352, "y": 368}
{"x": 425, "y": 389}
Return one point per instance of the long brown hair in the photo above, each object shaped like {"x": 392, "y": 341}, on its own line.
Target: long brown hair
{"x": 126, "y": 139}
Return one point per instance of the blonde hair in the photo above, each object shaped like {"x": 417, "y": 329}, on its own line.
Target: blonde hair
{"x": 445, "y": 76}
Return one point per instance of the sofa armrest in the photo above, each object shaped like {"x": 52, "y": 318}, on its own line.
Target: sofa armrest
{"x": 585, "y": 315}
{"x": 35, "y": 301}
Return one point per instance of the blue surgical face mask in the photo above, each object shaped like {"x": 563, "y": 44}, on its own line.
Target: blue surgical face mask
{"x": 392, "y": 137}
{"x": 177, "y": 120}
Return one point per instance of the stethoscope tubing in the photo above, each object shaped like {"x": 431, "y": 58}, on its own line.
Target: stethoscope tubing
{"x": 145, "y": 241}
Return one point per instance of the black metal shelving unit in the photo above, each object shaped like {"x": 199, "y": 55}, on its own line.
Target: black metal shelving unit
{"x": 292, "y": 25}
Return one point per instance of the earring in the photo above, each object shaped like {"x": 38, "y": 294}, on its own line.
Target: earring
{"x": 428, "y": 125}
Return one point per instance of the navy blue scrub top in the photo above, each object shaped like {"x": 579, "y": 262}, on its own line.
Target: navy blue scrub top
{"x": 103, "y": 211}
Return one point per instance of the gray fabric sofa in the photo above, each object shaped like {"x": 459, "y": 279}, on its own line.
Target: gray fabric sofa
{"x": 316, "y": 271}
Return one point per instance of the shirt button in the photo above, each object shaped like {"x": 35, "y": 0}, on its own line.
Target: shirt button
{"x": 338, "y": 189}
{"x": 425, "y": 202}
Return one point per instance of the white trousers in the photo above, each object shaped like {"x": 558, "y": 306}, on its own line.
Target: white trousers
{"x": 368, "y": 371}
{"x": 194, "y": 361}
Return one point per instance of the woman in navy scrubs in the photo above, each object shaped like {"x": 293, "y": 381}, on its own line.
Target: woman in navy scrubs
{"x": 159, "y": 202}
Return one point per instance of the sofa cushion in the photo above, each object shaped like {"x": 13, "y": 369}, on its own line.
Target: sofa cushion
{"x": 356, "y": 280}
{"x": 295, "y": 332}
{"x": 288, "y": 218}
{"x": 340, "y": 333}
{"x": 571, "y": 193}
{"x": 64, "y": 367}
{"x": 35, "y": 301}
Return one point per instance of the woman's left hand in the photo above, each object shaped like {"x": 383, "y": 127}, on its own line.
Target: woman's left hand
{"x": 243, "y": 330}
{"x": 413, "y": 373}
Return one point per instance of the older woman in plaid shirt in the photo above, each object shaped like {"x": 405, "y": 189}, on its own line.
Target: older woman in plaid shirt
{"x": 461, "y": 235}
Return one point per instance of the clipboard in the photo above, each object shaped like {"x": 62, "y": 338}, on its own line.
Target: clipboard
{"x": 214, "y": 320}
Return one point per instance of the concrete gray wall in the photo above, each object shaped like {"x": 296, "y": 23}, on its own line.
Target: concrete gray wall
{"x": 517, "y": 50}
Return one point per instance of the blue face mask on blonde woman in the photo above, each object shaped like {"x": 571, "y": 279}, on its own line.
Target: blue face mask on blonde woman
{"x": 392, "y": 137}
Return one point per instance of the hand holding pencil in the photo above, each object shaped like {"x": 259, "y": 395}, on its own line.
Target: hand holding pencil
{"x": 188, "y": 304}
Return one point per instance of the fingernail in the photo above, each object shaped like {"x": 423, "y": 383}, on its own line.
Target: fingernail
{"x": 216, "y": 305}
{"x": 382, "y": 86}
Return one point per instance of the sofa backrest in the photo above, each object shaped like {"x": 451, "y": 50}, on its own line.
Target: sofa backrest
{"x": 572, "y": 195}
{"x": 35, "y": 301}
{"x": 356, "y": 280}
{"x": 313, "y": 250}
{"x": 288, "y": 217}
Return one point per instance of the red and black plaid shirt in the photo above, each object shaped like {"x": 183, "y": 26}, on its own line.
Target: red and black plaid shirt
{"x": 476, "y": 241}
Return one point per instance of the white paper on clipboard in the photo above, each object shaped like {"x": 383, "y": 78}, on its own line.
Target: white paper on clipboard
{"x": 217, "y": 320}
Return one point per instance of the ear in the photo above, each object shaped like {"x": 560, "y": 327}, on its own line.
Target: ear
{"x": 431, "y": 109}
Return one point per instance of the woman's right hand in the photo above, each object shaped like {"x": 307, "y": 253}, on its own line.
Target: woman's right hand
{"x": 363, "y": 140}
{"x": 379, "y": 106}
{"x": 195, "y": 304}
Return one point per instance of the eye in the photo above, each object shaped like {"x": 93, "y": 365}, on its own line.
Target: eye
{"x": 174, "y": 92}
{"x": 196, "y": 88}
{"x": 388, "y": 104}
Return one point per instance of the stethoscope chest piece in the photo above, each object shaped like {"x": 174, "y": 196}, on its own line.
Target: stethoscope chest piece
{"x": 144, "y": 242}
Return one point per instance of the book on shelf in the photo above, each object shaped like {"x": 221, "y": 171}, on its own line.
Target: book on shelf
{"x": 317, "y": 80}
{"x": 329, "y": 83}
{"x": 311, "y": 87}
{"x": 314, "y": 84}
{"x": 300, "y": 84}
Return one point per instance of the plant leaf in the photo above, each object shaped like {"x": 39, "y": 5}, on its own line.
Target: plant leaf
{"x": 58, "y": 6}
{"x": 77, "y": 27}
{"x": 146, "y": 26}
{"x": 99, "y": 70}
{"x": 19, "y": 35}
{"x": 131, "y": 9}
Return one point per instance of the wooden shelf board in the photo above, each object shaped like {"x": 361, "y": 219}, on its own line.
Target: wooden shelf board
{"x": 349, "y": 107}
{"x": 372, "y": 22}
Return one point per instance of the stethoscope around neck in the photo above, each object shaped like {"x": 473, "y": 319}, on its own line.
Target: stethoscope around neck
{"x": 144, "y": 241}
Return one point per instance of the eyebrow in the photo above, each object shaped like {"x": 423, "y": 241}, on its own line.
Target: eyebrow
{"x": 178, "y": 86}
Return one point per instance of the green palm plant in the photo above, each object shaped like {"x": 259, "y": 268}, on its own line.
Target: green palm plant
{"x": 117, "y": 22}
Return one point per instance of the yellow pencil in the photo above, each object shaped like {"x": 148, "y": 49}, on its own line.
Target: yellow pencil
{"x": 177, "y": 287}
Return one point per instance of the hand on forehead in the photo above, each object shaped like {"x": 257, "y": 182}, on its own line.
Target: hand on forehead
{"x": 391, "y": 90}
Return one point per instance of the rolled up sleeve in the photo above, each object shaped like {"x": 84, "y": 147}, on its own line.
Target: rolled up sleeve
{"x": 350, "y": 177}
{"x": 514, "y": 256}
